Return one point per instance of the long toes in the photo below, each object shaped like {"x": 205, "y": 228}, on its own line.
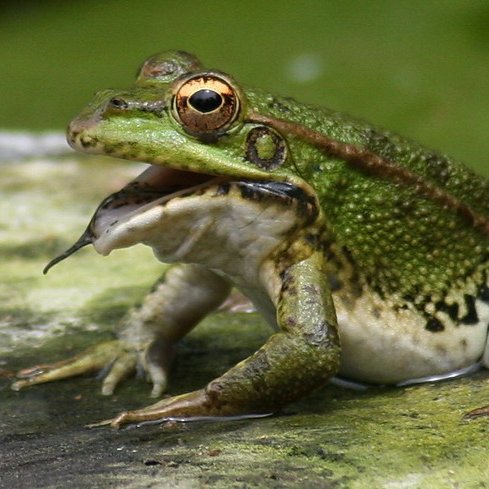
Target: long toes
{"x": 122, "y": 368}
{"x": 194, "y": 403}
{"x": 90, "y": 360}
{"x": 27, "y": 373}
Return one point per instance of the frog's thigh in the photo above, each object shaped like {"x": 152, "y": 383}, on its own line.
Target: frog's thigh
{"x": 302, "y": 356}
{"x": 380, "y": 345}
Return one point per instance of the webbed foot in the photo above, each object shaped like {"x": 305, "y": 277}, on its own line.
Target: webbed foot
{"x": 194, "y": 405}
{"x": 184, "y": 406}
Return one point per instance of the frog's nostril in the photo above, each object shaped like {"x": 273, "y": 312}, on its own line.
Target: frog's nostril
{"x": 118, "y": 103}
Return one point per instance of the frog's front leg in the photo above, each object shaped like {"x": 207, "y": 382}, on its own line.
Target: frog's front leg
{"x": 303, "y": 355}
{"x": 147, "y": 334}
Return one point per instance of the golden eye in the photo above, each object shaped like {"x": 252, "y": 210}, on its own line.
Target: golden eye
{"x": 206, "y": 105}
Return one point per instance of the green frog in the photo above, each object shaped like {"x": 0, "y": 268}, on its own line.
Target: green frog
{"x": 367, "y": 253}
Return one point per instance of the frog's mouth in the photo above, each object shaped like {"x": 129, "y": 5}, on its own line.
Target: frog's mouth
{"x": 154, "y": 186}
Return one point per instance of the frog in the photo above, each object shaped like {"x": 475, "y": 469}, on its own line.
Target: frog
{"x": 366, "y": 252}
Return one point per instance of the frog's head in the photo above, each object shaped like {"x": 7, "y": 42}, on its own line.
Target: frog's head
{"x": 194, "y": 127}
{"x": 180, "y": 116}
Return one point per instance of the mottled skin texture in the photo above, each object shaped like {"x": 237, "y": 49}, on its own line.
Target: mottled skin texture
{"x": 361, "y": 273}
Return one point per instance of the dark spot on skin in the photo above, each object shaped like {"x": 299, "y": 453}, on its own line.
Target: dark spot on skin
{"x": 310, "y": 289}
{"x": 334, "y": 283}
{"x": 109, "y": 149}
{"x": 131, "y": 155}
{"x": 290, "y": 289}
{"x": 254, "y": 372}
{"x": 279, "y": 106}
{"x": 379, "y": 143}
{"x": 484, "y": 294}
{"x": 412, "y": 294}
{"x": 249, "y": 193}
{"x": 434, "y": 325}
{"x": 471, "y": 317}
{"x": 451, "y": 310}
{"x": 437, "y": 168}
{"x": 87, "y": 143}
{"x": 290, "y": 322}
{"x": 318, "y": 333}
{"x": 463, "y": 344}
{"x": 223, "y": 189}
{"x": 120, "y": 147}
{"x": 288, "y": 285}
{"x": 314, "y": 240}
{"x": 375, "y": 312}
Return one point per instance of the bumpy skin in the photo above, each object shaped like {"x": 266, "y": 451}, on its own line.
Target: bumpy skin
{"x": 310, "y": 238}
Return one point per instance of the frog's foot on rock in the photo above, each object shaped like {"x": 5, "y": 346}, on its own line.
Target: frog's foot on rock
{"x": 191, "y": 406}
{"x": 115, "y": 356}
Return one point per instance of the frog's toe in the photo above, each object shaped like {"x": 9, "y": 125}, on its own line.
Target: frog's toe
{"x": 187, "y": 406}
{"x": 91, "y": 360}
{"x": 156, "y": 363}
{"x": 158, "y": 376}
{"x": 123, "y": 366}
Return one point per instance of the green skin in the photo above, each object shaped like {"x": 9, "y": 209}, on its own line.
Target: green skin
{"x": 361, "y": 273}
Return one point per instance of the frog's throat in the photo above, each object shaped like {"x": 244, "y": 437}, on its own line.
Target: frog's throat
{"x": 152, "y": 187}
{"x": 364, "y": 159}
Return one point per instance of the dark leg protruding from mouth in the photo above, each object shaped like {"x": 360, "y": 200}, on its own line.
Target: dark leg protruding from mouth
{"x": 84, "y": 240}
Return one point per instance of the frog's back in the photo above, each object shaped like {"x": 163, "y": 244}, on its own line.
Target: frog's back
{"x": 410, "y": 275}
{"x": 417, "y": 273}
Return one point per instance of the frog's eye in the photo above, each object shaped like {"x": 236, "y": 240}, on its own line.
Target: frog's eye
{"x": 205, "y": 105}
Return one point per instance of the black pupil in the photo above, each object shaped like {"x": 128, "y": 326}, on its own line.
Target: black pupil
{"x": 205, "y": 100}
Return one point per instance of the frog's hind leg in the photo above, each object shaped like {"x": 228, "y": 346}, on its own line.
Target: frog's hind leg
{"x": 303, "y": 355}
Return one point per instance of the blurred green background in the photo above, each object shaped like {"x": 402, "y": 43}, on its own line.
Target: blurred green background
{"x": 418, "y": 67}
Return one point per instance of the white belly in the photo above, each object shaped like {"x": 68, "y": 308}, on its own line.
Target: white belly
{"x": 380, "y": 345}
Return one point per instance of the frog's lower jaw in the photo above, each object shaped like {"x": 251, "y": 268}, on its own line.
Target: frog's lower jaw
{"x": 189, "y": 226}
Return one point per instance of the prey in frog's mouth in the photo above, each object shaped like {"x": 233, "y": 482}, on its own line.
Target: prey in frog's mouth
{"x": 154, "y": 186}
